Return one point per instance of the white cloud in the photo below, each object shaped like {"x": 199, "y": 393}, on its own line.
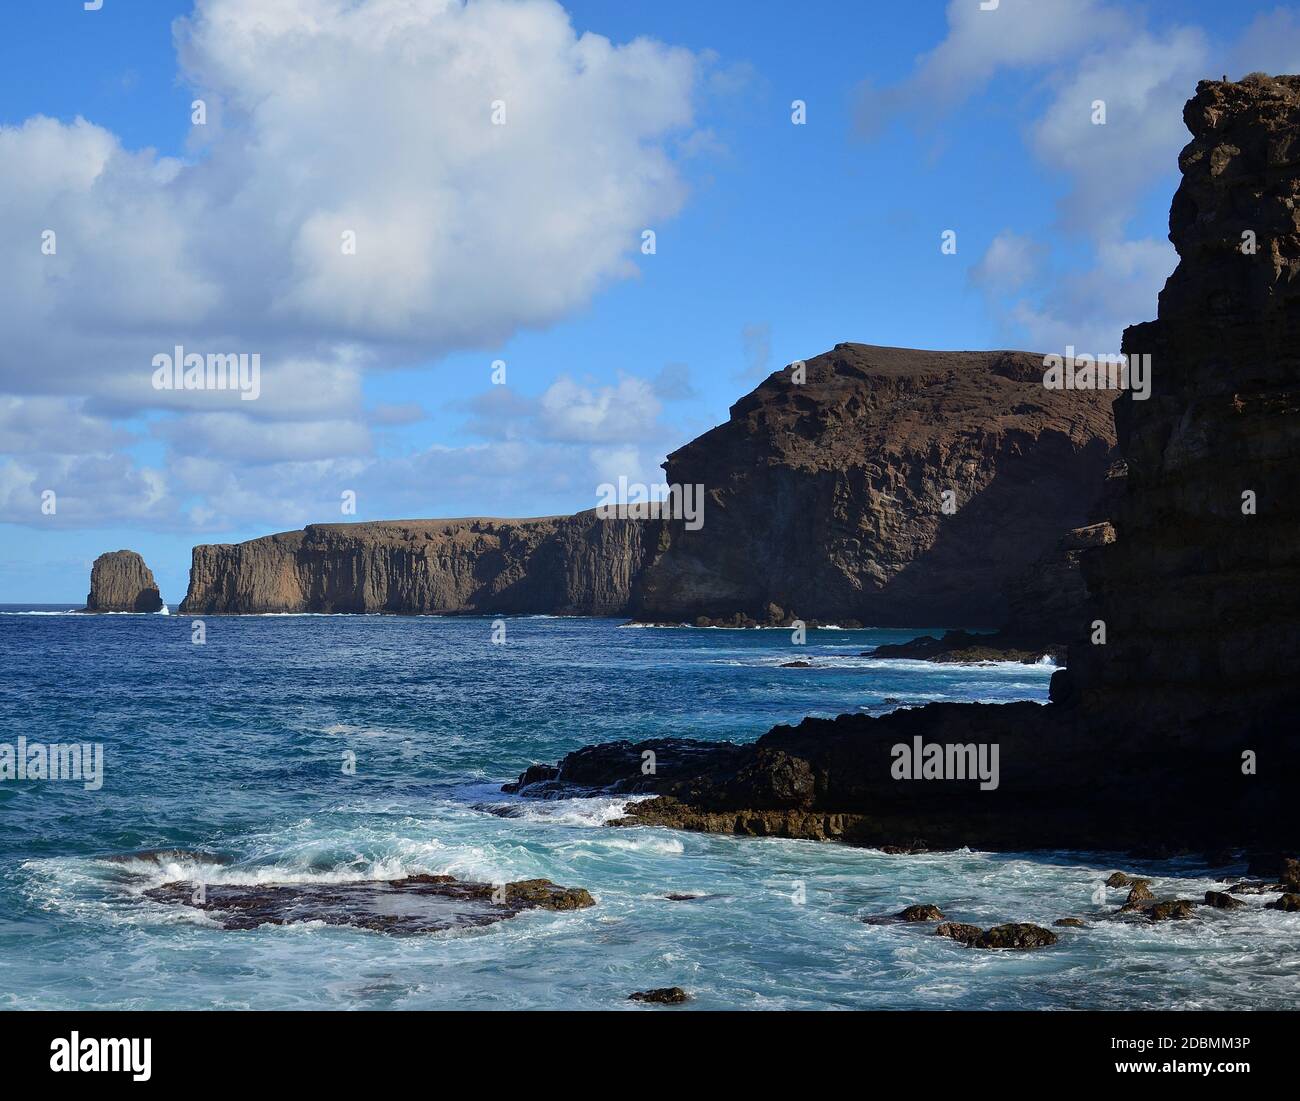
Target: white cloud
{"x": 1011, "y": 260}
{"x": 1090, "y": 309}
{"x": 1015, "y": 34}
{"x": 327, "y": 116}
{"x": 1143, "y": 83}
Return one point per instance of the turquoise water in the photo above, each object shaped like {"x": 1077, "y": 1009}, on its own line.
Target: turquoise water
{"x": 236, "y": 747}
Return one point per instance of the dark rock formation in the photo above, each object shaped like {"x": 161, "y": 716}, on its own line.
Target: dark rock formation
{"x": 1071, "y": 923}
{"x": 417, "y": 904}
{"x": 121, "y": 582}
{"x": 1288, "y": 902}
{"x": 664, "y": 995}
{"x": 922, "y": 912}
{"x": 1180, "y": 730}
{"x": 1046, "y": 604}
{"x": 959, "y": 931}
{"x": 1176, "y": 909}
{"x": 1201, "y": 599}
{"x": 965, "y": 647}
{"x": 562, "y": 565}
{"x": 1019, "y": 935}
{"x": 825, "y": 500}
{"x": 1221, "y": 901}
{"x": 1141, "y": 892}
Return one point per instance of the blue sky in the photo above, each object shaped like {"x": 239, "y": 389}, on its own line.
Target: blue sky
{"x": 774, "y": 241}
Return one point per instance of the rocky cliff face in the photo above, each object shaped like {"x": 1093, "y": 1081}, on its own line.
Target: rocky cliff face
{"x": 1180, "y": 730}
{"x": 825, "y": 501}
{"x": 1200, "y": 593}
{"x": 121, "y": 582}
{"x": 564, "y": 565}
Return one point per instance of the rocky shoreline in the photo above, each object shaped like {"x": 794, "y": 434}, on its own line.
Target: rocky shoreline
{"x": 1173, "y": 726}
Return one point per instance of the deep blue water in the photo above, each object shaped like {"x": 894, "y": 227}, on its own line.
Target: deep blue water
{"x": 236, "y": 747}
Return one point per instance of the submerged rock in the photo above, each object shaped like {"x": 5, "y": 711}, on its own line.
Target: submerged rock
{"x": 1071, "y": 923}
{"x": 121, "y": 582}
{"x": 417, "y": 904}
{"x": 1288, "y": 902}
{"x": 664, "y": 995}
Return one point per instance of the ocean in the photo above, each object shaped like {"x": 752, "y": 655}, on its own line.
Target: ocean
{"x": 235, "y": 752}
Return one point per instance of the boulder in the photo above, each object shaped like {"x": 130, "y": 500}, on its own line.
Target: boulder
{"x": 666, "y": 995}
{"x": 958, "y": 931}
{"x": 1018, "y": 935}
{"x": 1221, "y": 901}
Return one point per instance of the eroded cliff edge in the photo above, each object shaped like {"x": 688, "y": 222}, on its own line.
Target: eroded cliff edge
{"x": 1178, "y": 731}
{"x": 560, "y": 565}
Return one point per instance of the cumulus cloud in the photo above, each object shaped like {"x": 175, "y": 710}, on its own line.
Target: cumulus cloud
{"x": 1015, "y": 34}
{"x": 334, "y": 123}
{"x": 1142, "y": 85}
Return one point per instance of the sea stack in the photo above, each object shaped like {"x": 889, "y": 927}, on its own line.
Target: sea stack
{"x": 121, "y": 582}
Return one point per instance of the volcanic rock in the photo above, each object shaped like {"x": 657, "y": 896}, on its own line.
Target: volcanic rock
{"x": 1140, "y": 892}
{"x": 1176, "y": 909}
{"x": 1288, "y": 902}
{"x": 121, "y": 582}
{"x": 825, "y": 500}
{"x": 1151, "y": 737}
{"x": 417, "y": 904}
{"x": 1222, "y": 901}
{"x": 666, "y": 995}
{"x": 1018, "y": 935}
{"x": 561, "y": 565}
{"x": 922, "y": 912}
{"x": 960, "y": 932}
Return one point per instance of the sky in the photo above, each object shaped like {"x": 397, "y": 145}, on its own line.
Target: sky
{"x": 428, "y": 219}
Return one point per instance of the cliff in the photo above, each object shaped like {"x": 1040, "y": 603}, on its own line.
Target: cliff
{"x": 1178, "y": 730}
{"x": 825, "y": 500}
{"x": 1200, "y": 593}
{"x": 822, "y": 501}
{"x": 564, "y": 565}
{"x": 121, "y": 582}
